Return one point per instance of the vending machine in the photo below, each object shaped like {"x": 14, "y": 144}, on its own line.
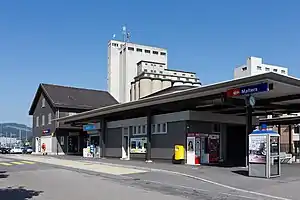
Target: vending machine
{"x": 214, "y": 148}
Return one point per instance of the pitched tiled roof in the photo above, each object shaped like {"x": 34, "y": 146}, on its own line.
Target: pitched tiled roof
{"x": 74, "y": 98}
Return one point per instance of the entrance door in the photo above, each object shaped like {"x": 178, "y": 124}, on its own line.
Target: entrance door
{"x": 73, "y": 144}
{"x": 236, "y": 145}
{"x": 125, "y": 144}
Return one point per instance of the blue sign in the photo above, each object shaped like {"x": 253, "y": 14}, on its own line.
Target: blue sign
{"x": 263, "y": 87}
{"x": 89, "y": 127}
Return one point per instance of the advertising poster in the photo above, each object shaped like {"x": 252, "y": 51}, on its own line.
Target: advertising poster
{"x": 214, "y": 148}
{"x": 257, "y": 149}
{"x": 138, "y": 145}
{"x": 190, "y": 150}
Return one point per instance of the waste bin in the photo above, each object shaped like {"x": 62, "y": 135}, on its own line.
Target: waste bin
{"x": 178, "y": 153}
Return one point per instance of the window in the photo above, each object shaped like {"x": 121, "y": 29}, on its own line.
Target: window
{"x": 267, "y": 69}
{"x": 130, "y": 48}
{"x": 296, "y": 130}
{"x": 216, "y": 128}
{"x": 43, "y": 120}
{"x": 43, "y": 103}
{"x": 153, "y": 128}
{"x": 162, "y": 53}
{"x": 155, "y": 52}
{"x": 37, "y": 121}
{"x": 144, "y": 129}
{"x": 283, "y": 71}
{"x": 183, "y": 74}
{"x": 178, "y": 78}
{"x": 139, "y": 50}
{"x": 164, "y": 76}
{"x": 157, "y": 128}
{"x": 244, "y": 68}
{"x": 258, "y": 67}
{"x": 147, "y": 51}
{"x": 160, "y": 72}
{"x": 145, "y": 70}
{"x": 164, "y": 127}
{"x": 131, "y": 130}
{"x": 275, "y": 70}
{"x": 49, "y": 118}
{"x": 187, "y": 79}
{"x": 138, "y": 130}
{"x": 192, "y": 75}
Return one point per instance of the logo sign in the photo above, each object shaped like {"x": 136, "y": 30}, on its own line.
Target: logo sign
{"x": 46, "y": 131}
{"x": 89, "y": 127}
{"x": 262, "y": 87}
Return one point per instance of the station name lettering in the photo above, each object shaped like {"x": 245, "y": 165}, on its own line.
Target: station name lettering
{"x": 249, "y": 90}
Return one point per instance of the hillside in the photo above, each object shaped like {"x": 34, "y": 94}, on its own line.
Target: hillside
{"x": 14, "y": 130}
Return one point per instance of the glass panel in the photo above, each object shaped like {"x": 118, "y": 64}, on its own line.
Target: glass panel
{"x": 274, "y": 145}
{"x": 274, "y": 166}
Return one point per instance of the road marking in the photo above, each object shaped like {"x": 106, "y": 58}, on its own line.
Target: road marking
{"x": 6, "y": 164}
{"x": 28, "y": 162}
{"x": 200, "y": 179}
{"x": 17, "y": 163}
{"x": 178, "y": 173}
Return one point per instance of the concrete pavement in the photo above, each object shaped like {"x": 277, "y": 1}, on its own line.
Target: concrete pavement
{"x": 206, "y": 182}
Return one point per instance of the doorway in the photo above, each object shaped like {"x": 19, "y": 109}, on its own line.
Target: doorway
{"x": 73, "y": 144}
{"x": 125, "y": 144}
{"x": 236, "y": 145}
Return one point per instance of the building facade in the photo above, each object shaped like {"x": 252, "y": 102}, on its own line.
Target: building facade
{"x": 122, "y": 65}
{"x": 54, "y": 101}
{"x": 255, "y": 65}
{"x": 126, "y": 139}
{"x": 153, "y": 77}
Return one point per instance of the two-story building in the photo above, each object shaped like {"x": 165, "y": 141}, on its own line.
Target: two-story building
{"x": 55, "y": 101}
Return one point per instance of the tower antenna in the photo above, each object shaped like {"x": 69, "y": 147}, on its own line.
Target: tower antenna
{"x": 126, "y": 34}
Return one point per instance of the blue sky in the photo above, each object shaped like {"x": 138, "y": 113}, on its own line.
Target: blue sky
{"x": 65, "y": 41}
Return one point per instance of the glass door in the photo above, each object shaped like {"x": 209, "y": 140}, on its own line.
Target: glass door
{"x": 274, "y": 156}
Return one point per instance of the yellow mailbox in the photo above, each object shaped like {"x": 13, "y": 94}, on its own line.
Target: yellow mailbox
{"x": 179, "y": 153}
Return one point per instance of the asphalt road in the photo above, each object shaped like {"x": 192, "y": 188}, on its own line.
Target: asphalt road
{"x": 20, "y": 180}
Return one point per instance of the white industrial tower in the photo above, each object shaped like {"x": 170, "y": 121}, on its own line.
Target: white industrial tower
{"x": 123, "y": 57}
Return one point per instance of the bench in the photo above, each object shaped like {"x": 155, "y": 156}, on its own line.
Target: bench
{"x": 285, "y": 157}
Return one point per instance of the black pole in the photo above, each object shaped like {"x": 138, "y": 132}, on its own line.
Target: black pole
{"x": 290, "y": 139}
{"x": 102, "y": 137}
{"x": 279, "y": 129}
{"x": 249, "y": 128}
{"x": 149, "y": 138}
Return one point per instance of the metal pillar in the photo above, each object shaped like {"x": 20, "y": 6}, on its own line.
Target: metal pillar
{"x": 149, "y": 137}
{"x": 290, "y": 139}
{"x": 249, "y": 130}
{"x": 279, "y": 129}
{"x": 102, "y": 137}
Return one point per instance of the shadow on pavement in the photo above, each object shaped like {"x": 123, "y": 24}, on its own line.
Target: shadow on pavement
{"x": 19, "y": 193}
{"x": 3, "y": 174}
{"x": 241, "y": 172}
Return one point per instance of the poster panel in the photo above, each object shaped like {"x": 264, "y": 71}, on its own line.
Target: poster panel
{"x": 214, "y": 148}
{"x": 138, "y": 145}
{"x": 190, "y": 150}
{"x": 258, "y": 149}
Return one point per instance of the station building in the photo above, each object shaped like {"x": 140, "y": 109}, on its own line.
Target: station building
{"x": 220, "y": 115}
